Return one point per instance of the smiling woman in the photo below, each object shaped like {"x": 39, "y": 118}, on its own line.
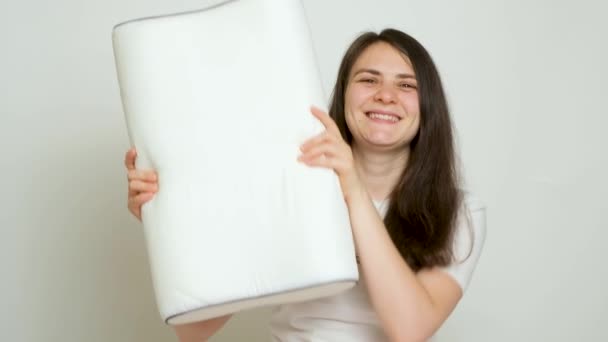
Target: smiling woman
{"x": 418, "y": 237}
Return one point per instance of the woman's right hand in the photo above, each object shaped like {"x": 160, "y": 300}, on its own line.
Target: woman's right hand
{"x": 143, "y": 184}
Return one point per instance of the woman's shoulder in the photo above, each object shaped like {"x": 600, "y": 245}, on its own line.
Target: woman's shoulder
{"x": 472, "y": 215}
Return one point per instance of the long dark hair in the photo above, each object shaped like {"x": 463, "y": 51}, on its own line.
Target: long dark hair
{"x": 423, "y": 208}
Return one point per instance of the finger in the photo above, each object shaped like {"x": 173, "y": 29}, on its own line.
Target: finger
{"x": 130, "y": 159}
{"x": 325, "y": 161}
{"x": 325, "y": 119}
{"x": 143, "y": 175}
{"x": 139, "y": 186}
{"x": 135, "y": 202}
{"x": 327, "y": 150}
{"x": 142, "y": 198}
{"x": 317, "y": 139}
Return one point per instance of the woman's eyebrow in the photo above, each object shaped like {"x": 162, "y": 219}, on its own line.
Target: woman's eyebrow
{"x": 377, "y": 73}
{"x": 406, "y": 76}
{"x": 371, "y": 71}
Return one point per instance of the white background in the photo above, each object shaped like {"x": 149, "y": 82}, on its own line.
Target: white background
{"x": 526, "y": 83}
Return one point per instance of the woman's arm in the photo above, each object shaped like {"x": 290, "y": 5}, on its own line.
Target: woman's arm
{"x": 200, "y": 331}
{"x": 410, "y": 306}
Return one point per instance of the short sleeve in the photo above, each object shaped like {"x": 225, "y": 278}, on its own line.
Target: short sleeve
{"x": 469, "y": 239}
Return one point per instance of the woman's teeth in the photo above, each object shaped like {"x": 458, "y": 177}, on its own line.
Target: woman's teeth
{"x": 385, "y": 117}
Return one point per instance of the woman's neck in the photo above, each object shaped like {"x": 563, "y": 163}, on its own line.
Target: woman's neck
{"x": 380, "y": 170}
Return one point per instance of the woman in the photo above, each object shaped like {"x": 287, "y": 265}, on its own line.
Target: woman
{"x": 389, "y": 139}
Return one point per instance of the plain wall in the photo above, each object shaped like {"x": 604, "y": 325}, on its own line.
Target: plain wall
{"x": 526, "y": 84}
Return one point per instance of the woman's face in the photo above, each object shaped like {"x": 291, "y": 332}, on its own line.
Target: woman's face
{"x": 381, "y": 100}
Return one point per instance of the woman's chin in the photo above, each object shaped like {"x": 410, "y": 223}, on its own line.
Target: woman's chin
{"x": 383, "y": 144}
{"x": 381, "y": 140}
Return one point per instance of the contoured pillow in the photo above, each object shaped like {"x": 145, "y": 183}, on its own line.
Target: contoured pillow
{"x": 217, "y": 102}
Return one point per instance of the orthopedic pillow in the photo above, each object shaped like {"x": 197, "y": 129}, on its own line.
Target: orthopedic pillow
{"x": 217, "y": 102}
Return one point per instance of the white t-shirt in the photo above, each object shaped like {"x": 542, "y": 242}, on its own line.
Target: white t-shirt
{"x": 349, "y": 316}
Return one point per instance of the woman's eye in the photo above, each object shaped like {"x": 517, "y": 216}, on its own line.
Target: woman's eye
{"x": 407, "y": 86}
{"x": 368, "y": 80}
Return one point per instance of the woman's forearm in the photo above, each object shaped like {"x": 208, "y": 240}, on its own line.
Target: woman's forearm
{"x": 402, "y": 303}
{"x": 200, "y": 331}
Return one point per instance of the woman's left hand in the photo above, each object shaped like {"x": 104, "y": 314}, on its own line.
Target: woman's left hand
{"x": 329, "y": 150}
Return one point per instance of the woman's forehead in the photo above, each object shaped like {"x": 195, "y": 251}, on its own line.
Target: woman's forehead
{"x": 383, "y": 58}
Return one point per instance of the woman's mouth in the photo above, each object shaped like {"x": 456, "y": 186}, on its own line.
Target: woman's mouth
{"x": 383, "y": 117}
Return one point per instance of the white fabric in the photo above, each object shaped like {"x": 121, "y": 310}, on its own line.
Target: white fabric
{"x": 349, "y": 316}
{"x": 217, "y": 102}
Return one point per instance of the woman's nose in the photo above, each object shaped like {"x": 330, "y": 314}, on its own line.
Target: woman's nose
{"x": 385, "y": 94}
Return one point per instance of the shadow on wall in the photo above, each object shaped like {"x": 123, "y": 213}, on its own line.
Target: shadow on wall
{"x": 86, "y": 262}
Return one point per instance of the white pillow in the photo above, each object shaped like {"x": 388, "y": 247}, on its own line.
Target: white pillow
{"x": 217, "y": 102}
